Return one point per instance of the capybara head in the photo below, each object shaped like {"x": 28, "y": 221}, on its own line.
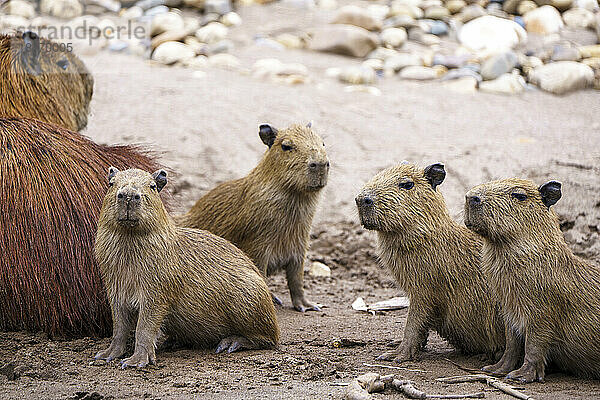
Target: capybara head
{"x": 132, "y": 201}
{"x": 511, "y": 208}
{"x": 44, "y": 80}
{"x": 296, "y": 157}
{"x": 403, "y": 198}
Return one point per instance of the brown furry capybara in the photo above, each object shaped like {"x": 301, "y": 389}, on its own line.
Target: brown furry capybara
{"x": 550, "y": 298}
{"x": 268, "y": 214}
{"x": 435, "y": 261}
{"x": 42, "y": 79}
{"x": 51, "y": 188}
{"x": 190, "y": 284}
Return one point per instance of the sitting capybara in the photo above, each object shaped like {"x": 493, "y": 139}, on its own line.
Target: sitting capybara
{"x": 434, "y": 260}
{"x": 192, "y": 285}
{"x": 268, "y": 214}
{"x": 51, "y": 186}
{"x": 550, "y": 298}
{"x": 42, "y": 79}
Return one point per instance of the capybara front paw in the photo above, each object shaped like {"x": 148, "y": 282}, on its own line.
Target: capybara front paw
{"x": 276, "y": 300}
{"x": 139, "y": 360}
{"x": 113, "y": 352}
{"x": 529, "y": 372}
{"x": 500, "y": 368}
{"x": 302, "y": 305}
{"x": 402, "y": 353}
{"x": 233, "y": 343}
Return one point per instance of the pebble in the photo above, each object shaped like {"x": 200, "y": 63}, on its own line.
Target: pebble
{"x": 565, "y": 53}
{"x": 400, "y": 21}
{"x": 394, "y": 37}
{"x": 169, "y": 36}
{"x": 319, "y": 270}
{"x": 544, "y": 20}
{"x": 561, "y": 5}
{"x": 438, "y": 28}
{"x": 212, "y": 33}
{"x": 231, "y": 19}
{"x": 225, "y": 61}
{"x": 436, "y": 12}
{"x": 505, "y": 84}
{"x": 12, "y": 22}
{"x": 172, "y": 52}
{"x": 470, "y": 13}
{"x": 525, "y": 6}
{"x": 290, "y": 41}
{"x": 357, "y": 75}
{"x": 590, "y": 51}
{"x": 498, "y": 64}
{"x": 455, "y": 6}
{"x": 491, "y": 33}
{"x": 220, "y": 7}
{"x": 562, "y": 77}
{"x": 156, "y": 11}
{"x": 19, "y": 8}
{"x": 65, "y": 9}
{"x": 422, "y": 73}
{"x": 344, "y": 39}
{"x": 357, "y": 16}
{"x": 579, "y": 18}
{"x": 590, "y": 5}
{"x": 131, "y": 13}
{"x": 451, "y": 61}
{"x": 462, "y": 73}
{"x": 401, "y": 8}
{"x": 169, "y": 21}
{"x": 402, "y": 60}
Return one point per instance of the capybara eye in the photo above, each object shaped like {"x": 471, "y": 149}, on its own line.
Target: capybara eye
{"x": 285, "y": 147}
{"x": 519, "y": 196}
{"x": 407, "y": 185}
{"x": 153, "y": 186}
{"x": 63, "y": 64}
{"x": 110, "y": 184}
{"x": 120, "y": 195}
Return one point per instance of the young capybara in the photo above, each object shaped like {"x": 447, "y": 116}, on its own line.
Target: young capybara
{"x": 268, "y": 214}
{"x": 194, "y": 286}
{"x": 42, "y": 79}
{"x": 51, "y": 189}
{"x": 550, "y": 298}
{"x": 435, "y": 261}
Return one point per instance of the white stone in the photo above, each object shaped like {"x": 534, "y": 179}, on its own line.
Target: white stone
{"x": 319, "y": 270}
{"x": 357, "y": 16}
{"x": 225, "y": 61}
{"x": 212, "y": 33}
{"x": 491, "y": 33}
{"x": 169, "y": 21}
{"x": 231, "y": 19}
{"x": 12, "y": 22}
{"x": 544, "y": 20}
{"x": 505, "y": 84}
{"x": 172, "y": 52}
{"x": 65, "y": 9}
{"x": 562, "y": 77}
{"x": 579, "y": 18}
{"x": 422, "y": 73}
{"x": 134, "y": 12}
{"x": 394, "y": 37}
{"x": 20, "y": 8}
{"x": 358, "y": 75}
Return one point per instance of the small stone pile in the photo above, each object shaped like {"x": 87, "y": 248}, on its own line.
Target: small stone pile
{"x": 498, "y": 46}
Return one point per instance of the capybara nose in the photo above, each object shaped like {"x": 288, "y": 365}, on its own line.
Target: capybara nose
{"x": 318, "y": 166}
{"x": 129, "y": 195}
{"x": 364, "y": 201}
{"x": 473, "y": 200}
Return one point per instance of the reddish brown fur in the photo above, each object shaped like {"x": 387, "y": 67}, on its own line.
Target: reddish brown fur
{"x": 51, "y": 190}
{"x": 61, "y": 97}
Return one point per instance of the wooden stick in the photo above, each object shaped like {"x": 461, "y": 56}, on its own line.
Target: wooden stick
{"x": 491, "y": 381}
{"x": 394, "y": 367}
{"x": 407, "y": 388}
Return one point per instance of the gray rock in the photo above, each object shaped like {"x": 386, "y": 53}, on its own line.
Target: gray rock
{"x": 220, "y": 7}
{"x": 344, "y": 39}
{"x": 565, "y": 53}
{"x": 451, "y": 61}
{"x": 400, "y": 21}
{"x": 498, "y": 64}
{"x": 461, "y": 73}
{"x": 357, "y": 16}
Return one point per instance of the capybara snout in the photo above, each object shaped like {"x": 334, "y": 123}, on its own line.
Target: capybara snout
{"x": 318, "y": 172}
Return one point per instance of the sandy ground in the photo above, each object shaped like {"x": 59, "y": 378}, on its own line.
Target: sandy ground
{"x": 207, "y": 130}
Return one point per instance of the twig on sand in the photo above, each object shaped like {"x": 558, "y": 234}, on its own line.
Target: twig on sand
{"x": 394, "y": 367}
{"x": 407, "y": 388}
{"x": 491, "y": 381}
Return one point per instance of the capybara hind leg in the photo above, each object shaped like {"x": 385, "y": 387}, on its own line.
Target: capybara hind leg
{"x": 234, "y": 343}
{"x": 123, "y": 322}
{"x": 512, "y": 356}
{"x": 146, "y": 334}
{"x": 295, "y": 279}
{"x": 415, "y": 337}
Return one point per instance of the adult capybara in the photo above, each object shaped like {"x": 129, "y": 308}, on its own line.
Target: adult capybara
{"x": 51, "y": 189}
{"x": 550, "y": 298}
{"x": 434, "y": 260}
{"x": 190, "y": 284}
{"x": 268, "y": 214}
{"x": 42, "y": 79}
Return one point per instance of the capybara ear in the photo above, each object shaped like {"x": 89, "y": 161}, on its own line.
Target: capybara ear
{"x": 31, "y": 54}
{"x": 267, "y": 134}
{"x": 160, "y": 177}
{"x": 404, "y": 162}
{"x": 550, "y": 192}
{"x": 112, "y": 171}
{"x": 309, "y": 125}
{"x": 435, "y": 174}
